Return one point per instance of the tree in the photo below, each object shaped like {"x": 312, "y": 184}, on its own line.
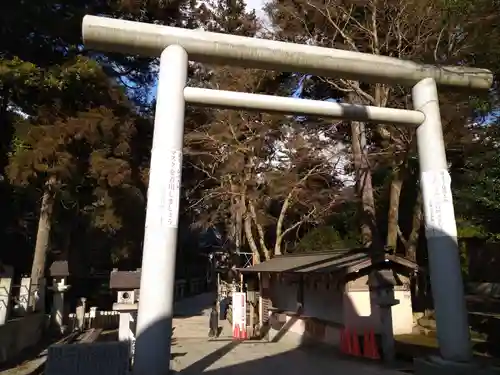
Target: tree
{"x": 272, "y": 173}
{"x": 76, "y": 150}
{"x": 475, "y": 173}
{"x": 425, "y": 31}
{"x": 225, "y": 17}
{"x": 47, "y": 76}
{"x": 228, "y": 17}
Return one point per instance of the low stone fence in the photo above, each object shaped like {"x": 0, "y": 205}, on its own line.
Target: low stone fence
{"x": 491, "y": 290}
{"x": 99, "y": 319}
{"x": 21, "y": 333}
{"x": 108, "y": 320}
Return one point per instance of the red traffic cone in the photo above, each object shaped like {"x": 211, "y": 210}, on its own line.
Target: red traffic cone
{"x": 243, "y": 333}
{"x": 355, "y": 344}
{"x": 345, "y": 341}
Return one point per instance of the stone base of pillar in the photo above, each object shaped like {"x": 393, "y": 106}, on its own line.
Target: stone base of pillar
{"x": 438, "y": 366}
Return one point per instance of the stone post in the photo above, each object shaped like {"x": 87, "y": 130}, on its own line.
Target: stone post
{"x": 92, "y": 315}
{"x": 80, "y": 314}
{"x": 126, "y": 331}
{"x": 38, "y": 295}
{"x": 127, "y": 306}
{"x": 5, "y": 290}
{"x": 58, "y": 311}
{"x": 385, "y": 300}
{"x": 24, "y": 295}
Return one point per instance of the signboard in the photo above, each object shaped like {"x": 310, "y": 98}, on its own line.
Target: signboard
{"x": 239, "y": 310}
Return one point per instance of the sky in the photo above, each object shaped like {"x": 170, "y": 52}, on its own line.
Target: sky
{"x": 251, "y": 4}
{"x": 257, "y": 5}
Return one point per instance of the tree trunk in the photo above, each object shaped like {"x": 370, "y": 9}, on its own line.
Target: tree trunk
{"x": 411, "y": 249}
{"x": 279, "y": 225}
{"x": 393, "y": 214}
{"x": 422, "y": 299}
{"x": 240, "y": 208}
{"x": 247, "y": 223}
{"x": 364, "y": 186}
{"x": 43, "y": 233}
{"x": 235, "y": 227}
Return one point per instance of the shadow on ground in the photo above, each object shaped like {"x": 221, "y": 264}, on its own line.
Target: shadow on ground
{"x": 302, "y": 360}
{"x": 225, "y": 356}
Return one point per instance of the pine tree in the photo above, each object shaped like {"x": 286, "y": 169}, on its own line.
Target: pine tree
{"x": 48, "y": 88}
{"x": 77, "y": 152}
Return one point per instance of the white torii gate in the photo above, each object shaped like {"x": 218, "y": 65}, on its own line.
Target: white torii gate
{"x": 176, "y": 46}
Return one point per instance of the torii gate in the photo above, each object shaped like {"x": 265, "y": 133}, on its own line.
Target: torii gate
{"x": 176, "y": 46}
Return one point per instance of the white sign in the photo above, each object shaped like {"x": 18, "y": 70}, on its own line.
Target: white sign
{"x": 438, "y": 204}
{"x": 171, "y": 190}
{"x": 163, "y": 194}
{"x": 239, "y": 310}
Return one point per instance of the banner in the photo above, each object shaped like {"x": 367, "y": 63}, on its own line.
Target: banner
{"x": 239, "y": 310}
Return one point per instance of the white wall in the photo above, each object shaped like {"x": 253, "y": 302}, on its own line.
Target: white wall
{"x": 323, "y": 303}
{"x": 353, "y": 307}
{"x": 362, "y": 313}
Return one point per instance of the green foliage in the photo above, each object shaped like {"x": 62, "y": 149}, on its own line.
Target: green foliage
{"x": 325, "y": 238}
{"x": 476, "y": 176}
{"x": 467, "y": 229}
{"x": 458, "y": 6}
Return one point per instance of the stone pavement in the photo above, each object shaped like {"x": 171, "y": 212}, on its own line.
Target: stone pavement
{"x": 194, "y": 354}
